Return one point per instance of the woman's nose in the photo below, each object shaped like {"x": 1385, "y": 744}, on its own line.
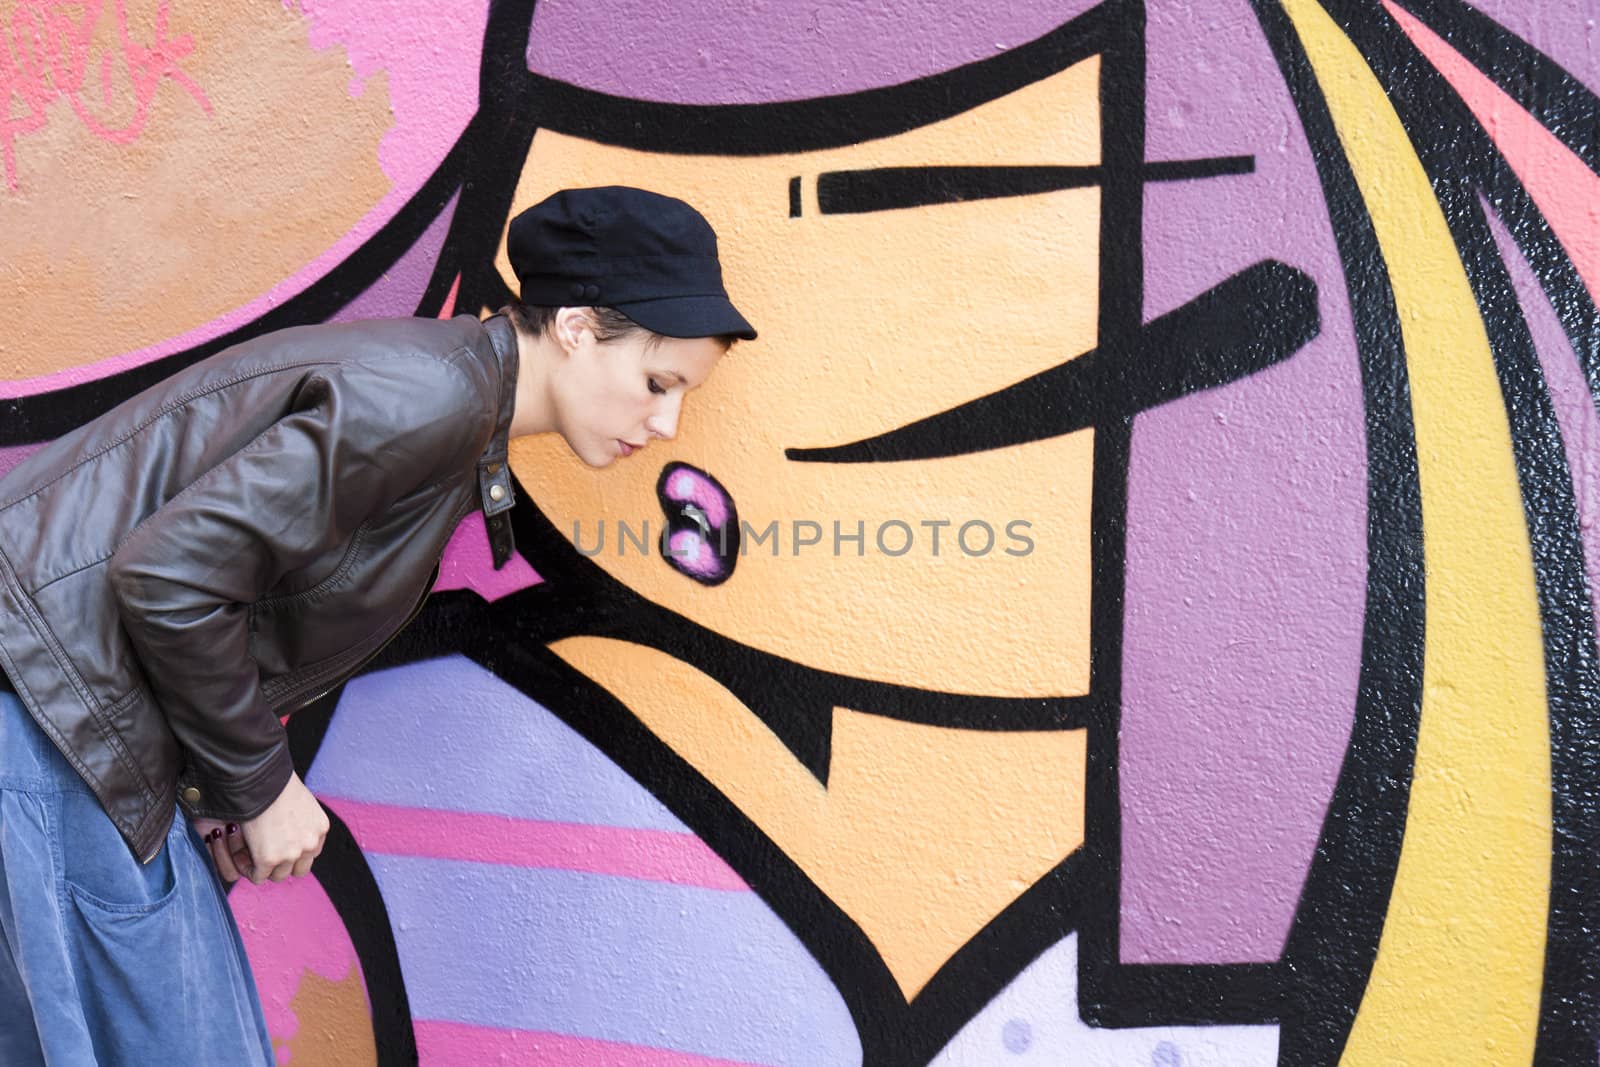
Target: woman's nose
{"x": 664, "y": 423}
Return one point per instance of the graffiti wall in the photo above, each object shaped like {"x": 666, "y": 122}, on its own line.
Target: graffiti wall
{"x": 1135, "y": 604}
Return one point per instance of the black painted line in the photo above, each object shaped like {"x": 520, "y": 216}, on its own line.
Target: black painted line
{"x": 342, "y": 871}
{"x": 1460, "y": 158}
{"x": 794, "y": 198}
{"x": 1183, "y": 170}
{"x": 1257, "y": 318}
{"x": 1333, "y": 940}
{"x": 1558, "y": 100}
{"x": 855, "y": 192}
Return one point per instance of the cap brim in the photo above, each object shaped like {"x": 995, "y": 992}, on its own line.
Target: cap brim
{"x": 690, "y": 316}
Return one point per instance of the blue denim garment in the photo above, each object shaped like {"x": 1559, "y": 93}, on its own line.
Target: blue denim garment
{"x": 104, "y": 960}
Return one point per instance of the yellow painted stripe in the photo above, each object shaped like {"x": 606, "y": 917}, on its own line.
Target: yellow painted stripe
{"x": 1458, "y": 972}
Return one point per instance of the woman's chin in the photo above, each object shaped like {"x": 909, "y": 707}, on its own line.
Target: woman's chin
{"x": 598, "y": 456}
{"x": 592, "y": 454}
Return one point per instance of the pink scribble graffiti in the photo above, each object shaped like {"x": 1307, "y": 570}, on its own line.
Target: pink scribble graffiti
{"x": 47, "y": 53}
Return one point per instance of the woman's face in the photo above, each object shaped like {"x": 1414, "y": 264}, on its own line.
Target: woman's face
{"x": 611, "y": 398}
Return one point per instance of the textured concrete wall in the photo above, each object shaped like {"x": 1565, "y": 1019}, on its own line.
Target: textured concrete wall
{"x": 1145, "y": 612}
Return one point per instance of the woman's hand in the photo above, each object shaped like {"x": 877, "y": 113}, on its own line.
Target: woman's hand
{"x": 227, "y": 847}
{"x": 281, "y": 841}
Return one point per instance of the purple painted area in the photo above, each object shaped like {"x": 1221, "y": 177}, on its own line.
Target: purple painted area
{"x": 693, "y": 970}
{"x": 738, "y": 52}
{"x": 1569, "y": 395}
{"x": 1568, "y": 31}
{"x": 1246, "y": 564}
{"x": 468, "y": 564}
{"x": 10, "y": 457}
{"x": 447, "y": 734}
{"x": 398, "y": 290}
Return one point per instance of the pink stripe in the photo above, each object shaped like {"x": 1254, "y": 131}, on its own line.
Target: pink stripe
{"x": 449, "y": 306}
{"x": 449, "y": 1043}
{"x": 1566, "y": 191}
{"x": 648, "y": 855}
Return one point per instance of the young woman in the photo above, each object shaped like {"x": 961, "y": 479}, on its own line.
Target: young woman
{"x": 239, "y": 539}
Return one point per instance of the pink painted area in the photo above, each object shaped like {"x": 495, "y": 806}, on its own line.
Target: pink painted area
{"x": 1566, "y": 191}
{"x": 440, "y": 1043}
{"x": 290, "y": 928}
{"x": 697, "y": 489}
{"x": 429, "y": 54}
{"x": 10, "y": 457}
{"x": 647, "y": 855}
{"x": 449, "y": 307}
{"x": 467, "y": 564}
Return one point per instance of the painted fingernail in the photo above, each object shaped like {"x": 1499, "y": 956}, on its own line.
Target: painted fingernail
{"x": 233, "y": 828}
{"x": 213, "y": 835}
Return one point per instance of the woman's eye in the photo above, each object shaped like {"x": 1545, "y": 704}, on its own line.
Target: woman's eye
{"x": 655, "y": 386}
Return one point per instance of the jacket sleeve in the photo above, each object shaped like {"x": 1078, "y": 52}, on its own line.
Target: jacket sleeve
{"x": 356, "y": 439}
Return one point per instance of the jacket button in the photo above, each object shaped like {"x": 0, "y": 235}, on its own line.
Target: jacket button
{"x": 191, "y": 795}
{"x": 497, "y": 493}
{"x": 493, "y": 468}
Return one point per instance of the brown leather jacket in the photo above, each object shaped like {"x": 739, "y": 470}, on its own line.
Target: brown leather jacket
{"x": 236, "y": 540}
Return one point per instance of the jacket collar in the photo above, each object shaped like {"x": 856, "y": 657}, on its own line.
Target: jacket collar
{"x": 494, "y": 470}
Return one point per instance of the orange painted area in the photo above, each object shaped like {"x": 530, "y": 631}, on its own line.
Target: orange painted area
{"x": 869, "y": 322}
{"x": 1566, "y": 191}
{"x": 138, "y": 209}
{"x": 335, "y": 1024}
{"x": 923, "y": 833}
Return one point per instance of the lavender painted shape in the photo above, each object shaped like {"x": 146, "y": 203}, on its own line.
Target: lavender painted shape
{"x": 1569, "y": 395}
{"x": 722, "y": 52}
{"x": 399, "y": 289}
{"x": 1246, "y": 551}
{"x": 1568, "y": 31}
{"x": 693, "y": 970}
{"x": 447, "y": 734}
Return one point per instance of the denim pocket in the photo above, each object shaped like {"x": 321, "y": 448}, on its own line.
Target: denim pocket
{"x": 98, "y": 867}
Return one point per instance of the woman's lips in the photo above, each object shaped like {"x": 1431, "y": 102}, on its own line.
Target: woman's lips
{"x": 702, "y": 536}
{"x": 627, "y": 449}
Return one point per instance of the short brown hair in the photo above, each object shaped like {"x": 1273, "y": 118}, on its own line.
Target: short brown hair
{"x": 609, "y": 323}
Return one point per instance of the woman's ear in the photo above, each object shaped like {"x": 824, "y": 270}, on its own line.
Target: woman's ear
{"x": 570, "y": 326}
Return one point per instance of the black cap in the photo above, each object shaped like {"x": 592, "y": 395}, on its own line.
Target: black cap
{"x": 651, "y": 257}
